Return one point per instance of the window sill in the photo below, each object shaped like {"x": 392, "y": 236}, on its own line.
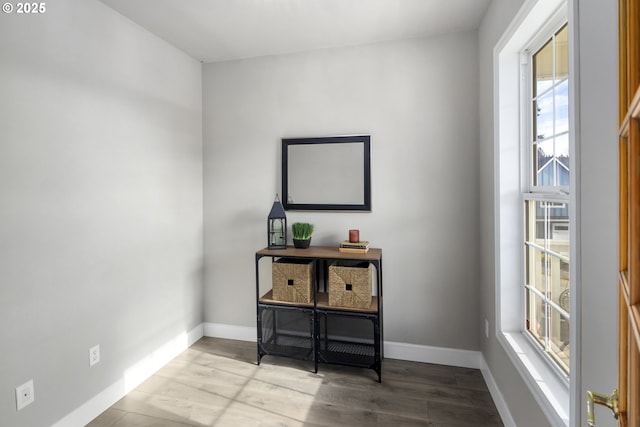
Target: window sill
{"x": 548, "y": 387}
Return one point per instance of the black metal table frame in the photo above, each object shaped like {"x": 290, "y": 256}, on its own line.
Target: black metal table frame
{"x": 316, "y": 313}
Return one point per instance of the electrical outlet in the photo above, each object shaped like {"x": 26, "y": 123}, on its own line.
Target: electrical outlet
{"x": 24, "y": 395}
{"x": 94, "y": 355}
{"x": 486, "y": 328}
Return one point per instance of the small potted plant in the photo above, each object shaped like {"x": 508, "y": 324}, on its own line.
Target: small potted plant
{"x": 302, "y": 232}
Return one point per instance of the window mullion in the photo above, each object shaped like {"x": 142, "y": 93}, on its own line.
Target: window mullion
{"x": 556, "y": 180}
{"x": 550, "y": 252}
{"x": 547, "y": 285}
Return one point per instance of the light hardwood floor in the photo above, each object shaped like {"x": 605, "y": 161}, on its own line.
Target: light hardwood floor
{"x": 216, "y": 382}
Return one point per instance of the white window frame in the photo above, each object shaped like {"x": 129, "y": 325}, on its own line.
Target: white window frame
{"x": 531, "y": 192}
{"x": 553, "y": 392}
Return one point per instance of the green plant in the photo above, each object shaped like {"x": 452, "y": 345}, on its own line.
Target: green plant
{"x": 302, "y": 230}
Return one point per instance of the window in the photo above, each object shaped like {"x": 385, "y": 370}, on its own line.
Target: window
{"x": 535, "y": 199}
{"x": 546, "y": 199}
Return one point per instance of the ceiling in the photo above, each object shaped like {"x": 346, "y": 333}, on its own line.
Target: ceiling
{"x": 222, "y": 30}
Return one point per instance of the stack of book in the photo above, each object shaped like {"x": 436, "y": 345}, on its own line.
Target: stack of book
{"x": 354, "y": 248}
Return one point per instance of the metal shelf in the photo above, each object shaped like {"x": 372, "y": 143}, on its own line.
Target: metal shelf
{"x": 347, "y": 353}
{"x": 317, "y": 344}
{"x": 290, "y": 346}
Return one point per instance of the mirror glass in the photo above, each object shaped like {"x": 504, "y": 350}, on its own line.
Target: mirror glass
{"x": 331, "y": 173}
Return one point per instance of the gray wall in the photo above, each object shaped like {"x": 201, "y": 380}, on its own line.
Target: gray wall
{"x": 597, "y": 193}
{"x": 100, "y": 202}
{"x": 522, "y": 405}
{"x": 418, "y": 101}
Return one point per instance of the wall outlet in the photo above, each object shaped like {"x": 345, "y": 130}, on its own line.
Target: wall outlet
{"x": 486, "y": 328}
{"x": 24, "y": 395}
{"x": 94, "y": 355}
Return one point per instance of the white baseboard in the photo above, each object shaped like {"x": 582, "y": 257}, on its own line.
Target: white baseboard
{"x": 437, "y": 355}
{"x": 393, "y": 350}
{"x": 498, "y": 399}
{"x": 133, "y": 377}
{"x": 233, "y": 332}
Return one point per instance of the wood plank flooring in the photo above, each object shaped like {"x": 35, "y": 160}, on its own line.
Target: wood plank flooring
{"x": 216, "y": 382}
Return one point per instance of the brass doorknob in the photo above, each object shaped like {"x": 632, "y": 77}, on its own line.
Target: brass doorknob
{"x": 610, "y": 402}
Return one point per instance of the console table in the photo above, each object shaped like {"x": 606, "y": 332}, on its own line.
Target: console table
{"x": 313, "y": 339}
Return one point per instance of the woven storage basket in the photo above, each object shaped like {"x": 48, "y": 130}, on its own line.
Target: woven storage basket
{"x": 292, "y": 280}
{"x": 350, "y": 285}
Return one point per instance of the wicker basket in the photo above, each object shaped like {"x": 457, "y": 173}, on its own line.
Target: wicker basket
{"x": 292, "y": 280}
{"x": 350, "y": 285}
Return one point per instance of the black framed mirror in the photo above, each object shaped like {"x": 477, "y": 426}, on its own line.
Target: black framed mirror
{"x": 329, "y": 173}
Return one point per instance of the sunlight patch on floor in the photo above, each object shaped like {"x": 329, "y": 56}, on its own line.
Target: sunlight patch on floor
{"x": 241, "y": 390}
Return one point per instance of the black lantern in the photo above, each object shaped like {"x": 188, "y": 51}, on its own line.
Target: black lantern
{"x": 277, "y": 226}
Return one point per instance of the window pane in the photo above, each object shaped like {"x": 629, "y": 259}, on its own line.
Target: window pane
{"x": 552, "y": 162}
{"x": 536, "y": 317}
{"x": 557, "y": 275}
{"x": 553, "y": 216}
{"x": 547, "y": 272}
{"x": 559, "y": 339}
{"x": 543, "y": 69}
{"x": 561, "y": 93}
{"x": 545, "y": 172}
{"x": 547, "y": 226}
{"x": 543, "y": 120}
{"x": 535, "y": 225}
{"x": 562, "y": 54}
{"x": 536, "y": 269}
{"x": 534, "y": 122}
{"x": 561, "y": 152}
{"x": 547, "y": 251}
{"x": 550, "y": 112}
